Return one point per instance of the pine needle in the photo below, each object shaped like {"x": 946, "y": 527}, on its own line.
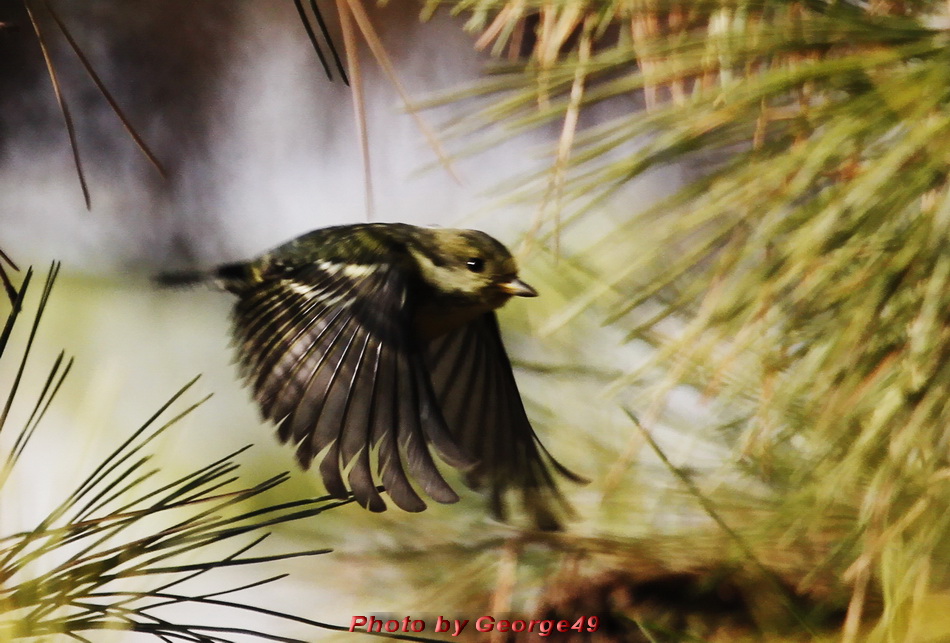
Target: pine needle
{"x": 63, "y": 107}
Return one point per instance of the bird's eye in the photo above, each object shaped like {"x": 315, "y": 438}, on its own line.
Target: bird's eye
{"x": 475, "y": 264}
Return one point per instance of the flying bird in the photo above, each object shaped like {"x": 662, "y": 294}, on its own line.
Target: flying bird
{"x": 367, "y": 344}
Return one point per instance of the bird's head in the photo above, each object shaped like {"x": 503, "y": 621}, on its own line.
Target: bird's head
{"x": 469, "y": 266}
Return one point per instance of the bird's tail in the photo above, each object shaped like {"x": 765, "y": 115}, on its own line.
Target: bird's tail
{"x": 182, "y": 279}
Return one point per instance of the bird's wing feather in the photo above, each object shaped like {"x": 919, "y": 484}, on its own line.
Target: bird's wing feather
{"x": 476, "y": 388}
{"x": 329, "y": 353}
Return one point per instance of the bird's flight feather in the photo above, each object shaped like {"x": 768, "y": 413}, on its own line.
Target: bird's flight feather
{"x": 331, "y": 358}
{"x": 479, "y": 397}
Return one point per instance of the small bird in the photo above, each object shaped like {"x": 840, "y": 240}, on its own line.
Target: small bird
{"x": 367, "y": 343}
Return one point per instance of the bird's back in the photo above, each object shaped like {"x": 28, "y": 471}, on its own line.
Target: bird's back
{"x": 352, "y": 247}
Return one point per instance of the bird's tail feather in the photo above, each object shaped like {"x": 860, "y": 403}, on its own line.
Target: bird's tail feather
{"x": 181, "y": 279}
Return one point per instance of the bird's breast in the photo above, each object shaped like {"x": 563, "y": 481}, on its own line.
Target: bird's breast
{"x": 430, "y": 321}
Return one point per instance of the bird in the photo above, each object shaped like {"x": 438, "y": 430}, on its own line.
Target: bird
{"x": 375, "y": 342}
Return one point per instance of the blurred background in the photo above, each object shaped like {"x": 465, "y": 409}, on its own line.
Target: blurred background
{"x": 698, "y": 213}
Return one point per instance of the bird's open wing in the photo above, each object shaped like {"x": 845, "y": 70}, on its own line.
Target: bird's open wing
{"x": 328, "y": 352}
{"x": 472, "y": 377}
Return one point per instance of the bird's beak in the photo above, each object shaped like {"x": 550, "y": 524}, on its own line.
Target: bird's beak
{"x": 517, "y": 288}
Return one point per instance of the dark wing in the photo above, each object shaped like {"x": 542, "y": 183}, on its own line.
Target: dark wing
{"x": 472, "y": 377}
{"x": 328, "y": 352}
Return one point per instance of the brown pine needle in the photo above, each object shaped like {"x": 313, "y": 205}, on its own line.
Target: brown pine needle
{"x": 555, "y": 191}
{"x": 106, "y": 93}
{"x": 379, "y": 52}
{"x": 359, "y": 98}
{"x": 63, "y": 108}
{"x": 491, "y": 32}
